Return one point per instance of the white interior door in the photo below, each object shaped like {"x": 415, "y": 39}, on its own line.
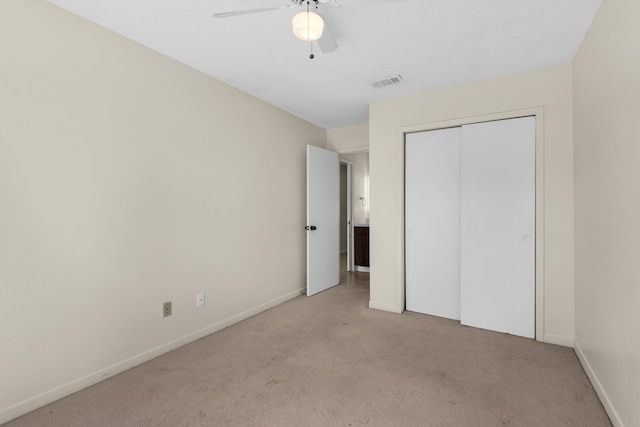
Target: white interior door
{"x": 323, "y": 219}
{"x": 432, "y": 222}
{"x": 498, "y": 226}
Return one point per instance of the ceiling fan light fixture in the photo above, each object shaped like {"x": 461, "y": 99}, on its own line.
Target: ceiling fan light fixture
{"x": 308, "y": 26}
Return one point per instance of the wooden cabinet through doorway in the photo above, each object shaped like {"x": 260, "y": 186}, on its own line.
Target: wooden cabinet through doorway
{"x": 361, "y": 246}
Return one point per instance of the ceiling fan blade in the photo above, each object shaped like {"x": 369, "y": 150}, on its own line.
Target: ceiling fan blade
{"x": 327, "y": 43}
{"x": 249, "y": 11}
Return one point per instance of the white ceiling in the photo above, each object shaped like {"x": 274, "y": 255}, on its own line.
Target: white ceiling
{"x": 431, "y": 43}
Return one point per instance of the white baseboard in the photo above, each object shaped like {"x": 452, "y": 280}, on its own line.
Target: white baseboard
{"x": 383, "y": 307}
{"x": 558, "y": 340}
{"x": 602, "y": 394}
{"x": 35, "y": 402}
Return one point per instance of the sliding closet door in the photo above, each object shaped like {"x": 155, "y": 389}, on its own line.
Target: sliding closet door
{"x": 498, "y": 226}
{"x": 432, "y": 222}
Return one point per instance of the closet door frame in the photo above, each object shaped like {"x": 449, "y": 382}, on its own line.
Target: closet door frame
{"x": 538, "y": 112}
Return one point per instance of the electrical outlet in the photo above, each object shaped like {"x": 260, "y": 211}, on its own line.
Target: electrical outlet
{"x": 166, "y": 309}
{"x": 200, "y": 299}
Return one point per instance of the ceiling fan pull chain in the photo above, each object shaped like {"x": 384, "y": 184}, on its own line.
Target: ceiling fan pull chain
{"x": 311, "y": 56}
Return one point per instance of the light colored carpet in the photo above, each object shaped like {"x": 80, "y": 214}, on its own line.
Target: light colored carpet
{"x": 328, "y": 360}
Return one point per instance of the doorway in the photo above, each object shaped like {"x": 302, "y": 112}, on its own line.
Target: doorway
{"x": 331, "y": 190}
{"x": 345, "y": 217}
{"x": 354, "y": 208}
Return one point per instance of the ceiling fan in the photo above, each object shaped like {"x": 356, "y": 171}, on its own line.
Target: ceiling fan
{"x": 307, "y": 25}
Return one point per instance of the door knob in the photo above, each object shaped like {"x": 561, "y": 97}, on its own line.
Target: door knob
{"x": 312, "y": 227}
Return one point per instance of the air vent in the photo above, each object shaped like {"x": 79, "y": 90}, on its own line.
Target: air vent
{"x": 389, "y": 81}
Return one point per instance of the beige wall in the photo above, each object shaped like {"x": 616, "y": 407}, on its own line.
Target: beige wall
{"x": 607, "y": 204}
{"x": 128, "y": 180}
{"x": 546, "y": 93}
{"x": 349, "y": 139}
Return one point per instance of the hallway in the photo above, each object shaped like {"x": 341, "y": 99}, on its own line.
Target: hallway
{"x": 354, "y": 279}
